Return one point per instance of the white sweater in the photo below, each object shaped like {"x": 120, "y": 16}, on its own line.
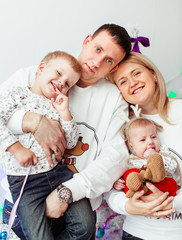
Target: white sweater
{"x": 95, "y": 109}
{"x": 152, "y": 228}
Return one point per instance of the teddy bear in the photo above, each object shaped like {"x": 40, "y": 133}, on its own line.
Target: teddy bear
{"x": 154, "y": 172}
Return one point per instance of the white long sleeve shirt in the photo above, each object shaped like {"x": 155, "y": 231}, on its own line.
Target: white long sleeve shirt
{"x": 100, "y": 157}
{"x": 152, "y": 228}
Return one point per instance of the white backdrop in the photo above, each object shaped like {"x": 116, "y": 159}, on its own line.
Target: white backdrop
{"x": 30, "y": 29}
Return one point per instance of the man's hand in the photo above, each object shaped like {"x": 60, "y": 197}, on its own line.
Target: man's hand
{"x": 54, "y": 207}
{"x": 49, "y": 134}
{"x": 24, "y": 156}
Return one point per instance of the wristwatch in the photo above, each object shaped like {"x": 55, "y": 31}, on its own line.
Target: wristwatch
{"x": 64, "y": 194}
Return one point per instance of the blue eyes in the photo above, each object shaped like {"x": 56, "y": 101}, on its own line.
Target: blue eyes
{"x": 109, "y": 61}
{"x": 98, "y": 50}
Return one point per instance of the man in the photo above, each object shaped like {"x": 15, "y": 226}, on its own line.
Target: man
{"x": 100, "y": 153}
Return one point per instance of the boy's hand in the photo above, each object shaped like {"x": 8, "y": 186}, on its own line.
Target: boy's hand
{"x": 61, "y": 104}
{"x": 24, "y": 156}
{"x": 119, "y": 184}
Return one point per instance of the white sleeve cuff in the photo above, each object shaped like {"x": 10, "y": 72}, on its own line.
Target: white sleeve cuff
{"x": 116, "y": 201}
{"x": 15, "y": 122}
{"x": 177, "y": 203}
{"x": 77, "y": 192}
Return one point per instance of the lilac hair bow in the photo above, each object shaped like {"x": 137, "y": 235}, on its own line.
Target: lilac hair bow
{"x": 143, "y": 40}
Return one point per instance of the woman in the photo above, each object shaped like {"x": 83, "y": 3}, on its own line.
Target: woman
{"x": 154, "y": 216}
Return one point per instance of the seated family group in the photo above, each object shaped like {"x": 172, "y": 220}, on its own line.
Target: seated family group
{"x": 98, "y": 124}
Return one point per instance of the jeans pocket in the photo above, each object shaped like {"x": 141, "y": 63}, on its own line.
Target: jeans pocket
{"x": 6, "y": 216}
{"x": 15, "y": 182}
{"x": 16, "y": 227}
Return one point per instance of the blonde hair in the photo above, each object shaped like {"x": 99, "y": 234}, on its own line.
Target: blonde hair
{"x": 60, "y": 54}
{"x": 161, "y": 101}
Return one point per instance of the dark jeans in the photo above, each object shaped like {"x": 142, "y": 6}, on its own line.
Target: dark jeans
{"x": 57, "y": 225}
{"x": 16, "y": 225}
{"x": 79, "y": 218}
{"x": 127, "y": 236}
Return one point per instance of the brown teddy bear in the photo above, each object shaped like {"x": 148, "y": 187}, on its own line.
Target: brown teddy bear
{"x": 153, "y": 171}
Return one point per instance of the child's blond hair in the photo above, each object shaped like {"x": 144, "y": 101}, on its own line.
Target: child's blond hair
{"x": 60, "y": 54}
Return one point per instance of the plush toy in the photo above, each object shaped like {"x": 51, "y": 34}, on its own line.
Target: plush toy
{"x": 153, "y": 171}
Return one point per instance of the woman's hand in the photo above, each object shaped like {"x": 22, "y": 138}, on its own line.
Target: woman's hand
{"x": 155, "y": 206}
{"x": 156, "y": 193}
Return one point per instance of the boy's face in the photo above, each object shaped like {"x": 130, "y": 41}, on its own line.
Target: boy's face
{"x": 98, "y": 57}
{"x": 143, "y": 139}
{"x": 55, "y": 76}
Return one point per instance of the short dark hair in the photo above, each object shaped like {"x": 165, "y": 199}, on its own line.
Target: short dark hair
{"x": 119, "y": 34}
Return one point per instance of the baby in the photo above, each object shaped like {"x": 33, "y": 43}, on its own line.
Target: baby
{"x": 141, "y": 137}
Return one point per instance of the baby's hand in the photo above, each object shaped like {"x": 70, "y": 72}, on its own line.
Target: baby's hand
{"x": 24, "y": 156}
{"x": 119, "y": 184}
{"x": 149, "y": 152}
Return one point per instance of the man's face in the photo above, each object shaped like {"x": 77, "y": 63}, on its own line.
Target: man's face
{"x": 98, "y": 57}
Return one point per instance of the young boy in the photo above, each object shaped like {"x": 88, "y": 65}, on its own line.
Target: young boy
{"x": 56, "y": 74}
{"x": 140, "y": 135}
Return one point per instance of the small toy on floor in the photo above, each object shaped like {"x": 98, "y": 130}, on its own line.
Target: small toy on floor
{"x": 4, "y": 233}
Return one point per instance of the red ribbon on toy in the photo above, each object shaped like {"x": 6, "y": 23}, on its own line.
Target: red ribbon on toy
{"x": 166, "y": 185}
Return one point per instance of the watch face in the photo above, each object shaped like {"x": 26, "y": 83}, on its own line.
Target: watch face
{"x": 65, "y": 194}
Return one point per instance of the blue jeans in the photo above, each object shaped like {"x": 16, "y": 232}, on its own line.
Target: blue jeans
{"x": 127, "y": 236}
{"x": 16, "y": 225}
{"x": 79, "y": 218}
{"x": 57, "y": 225}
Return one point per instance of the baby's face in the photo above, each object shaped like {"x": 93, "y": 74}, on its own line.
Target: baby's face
{"x": 144, "y": 140}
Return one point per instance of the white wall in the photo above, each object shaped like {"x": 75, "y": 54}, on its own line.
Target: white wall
{"x": 30, "y": 29}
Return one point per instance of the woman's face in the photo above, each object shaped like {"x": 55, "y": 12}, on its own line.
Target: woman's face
{"x": 136, "y": 84}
